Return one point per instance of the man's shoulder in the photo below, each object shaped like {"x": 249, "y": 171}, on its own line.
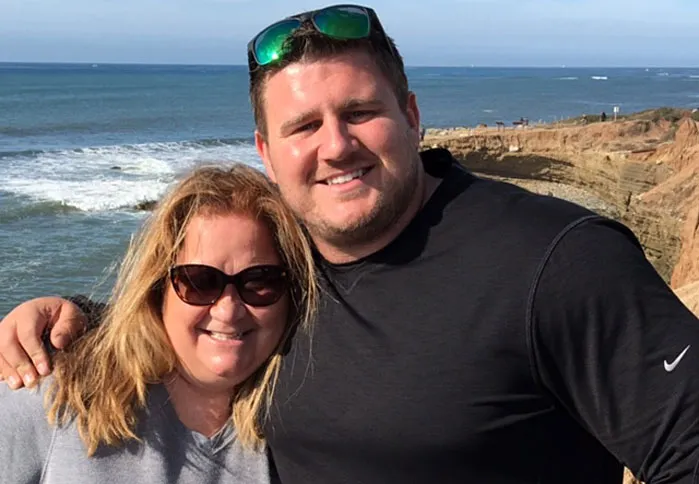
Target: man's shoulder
{"x": 473, "y": 206}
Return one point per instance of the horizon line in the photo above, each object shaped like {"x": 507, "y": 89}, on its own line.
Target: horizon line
{"x": 468, "y": 66}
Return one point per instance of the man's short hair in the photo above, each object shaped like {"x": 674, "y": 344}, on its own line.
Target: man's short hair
{"x": 307, "y": 44}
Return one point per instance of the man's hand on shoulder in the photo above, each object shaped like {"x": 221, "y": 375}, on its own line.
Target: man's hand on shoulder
{"x": 23, "y": 356}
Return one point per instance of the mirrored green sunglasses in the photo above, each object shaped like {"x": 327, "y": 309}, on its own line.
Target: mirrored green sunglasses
{"x": 338, "y": 21}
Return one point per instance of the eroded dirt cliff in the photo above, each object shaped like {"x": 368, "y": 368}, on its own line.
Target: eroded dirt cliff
{"x": 645, "y": 173}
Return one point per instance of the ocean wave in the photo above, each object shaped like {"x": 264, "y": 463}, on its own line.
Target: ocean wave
{"x": 75, "y": 127}
{"x": 599, "y": 78}
{"x": 20, "y": 154}
{"x": 572, "y": 78}
{"x": 164, "y": 146}
{"x": 95, "y": 196}
{"x": 20, "y": 211}
{"x": 112, "y": 178}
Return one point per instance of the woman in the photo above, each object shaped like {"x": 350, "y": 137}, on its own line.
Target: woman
{"x": 173, "y": 386}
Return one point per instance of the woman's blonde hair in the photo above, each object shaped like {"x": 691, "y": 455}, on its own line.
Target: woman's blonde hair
{"x": 102, "y": 381}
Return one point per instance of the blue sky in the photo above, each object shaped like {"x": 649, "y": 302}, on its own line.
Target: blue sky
{"x": 645, "y": 33}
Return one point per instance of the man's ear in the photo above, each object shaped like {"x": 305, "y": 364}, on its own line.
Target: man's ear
{"x": 263, "y": 151}
{"x": 412, "y": 114}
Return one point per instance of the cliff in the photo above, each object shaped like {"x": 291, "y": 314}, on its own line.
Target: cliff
{"x": 643, "y": 172}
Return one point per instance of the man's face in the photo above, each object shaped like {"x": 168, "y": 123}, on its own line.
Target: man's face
{"x": 339, "y": 146}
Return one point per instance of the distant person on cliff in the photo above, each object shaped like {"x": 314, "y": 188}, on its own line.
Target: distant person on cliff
{"x": 470, "y": 331}
{"x": 603, "y": 117}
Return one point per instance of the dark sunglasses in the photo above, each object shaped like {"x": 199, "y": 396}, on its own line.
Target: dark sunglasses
{"x": 200, "y": 285}
{"x": 338, "y": 21}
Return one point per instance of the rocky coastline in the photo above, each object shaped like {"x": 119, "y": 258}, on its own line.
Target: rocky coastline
{"x": 642, "y": 170}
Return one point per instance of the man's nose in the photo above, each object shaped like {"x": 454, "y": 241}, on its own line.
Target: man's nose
{"x": 336, "y": 141}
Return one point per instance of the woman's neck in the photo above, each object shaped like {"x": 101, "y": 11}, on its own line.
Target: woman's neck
{"x": 198, "y": 410}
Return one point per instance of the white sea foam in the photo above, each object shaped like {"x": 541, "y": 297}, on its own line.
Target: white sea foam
{"x": 113, "y": 177}
{"x": 599, "y": 78}
{"x": 96, "y": 195}
{"x": 571, "y": 78}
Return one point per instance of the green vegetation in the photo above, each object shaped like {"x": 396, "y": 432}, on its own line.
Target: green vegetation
{"x": 665, "y": 113}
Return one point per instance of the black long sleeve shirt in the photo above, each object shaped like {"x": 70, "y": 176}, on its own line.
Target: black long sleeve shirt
{"x": 503, "y": 337}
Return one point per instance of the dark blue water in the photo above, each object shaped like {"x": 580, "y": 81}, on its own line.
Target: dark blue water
{"x": 58, "y": 106}
{"x": 69, "y": 106}
{"x": 81, "y": 144}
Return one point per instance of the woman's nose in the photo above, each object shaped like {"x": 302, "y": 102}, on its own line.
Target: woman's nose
{"x": 229, "y": 307}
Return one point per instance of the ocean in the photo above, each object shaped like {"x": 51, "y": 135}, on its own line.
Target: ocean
{"x": 81, "y": 144}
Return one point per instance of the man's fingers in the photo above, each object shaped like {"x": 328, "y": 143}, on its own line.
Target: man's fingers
{"x": 21, "y": 344}
{"x": 10, "y": 375}
{"x": 18, "y": 360}
{"x": 28, "y": 374}
{"x": 68, "y": 323}
{"x": 3, "y": 368}
{"x": 49, "y": 312}
{"x": 29, "y": 338}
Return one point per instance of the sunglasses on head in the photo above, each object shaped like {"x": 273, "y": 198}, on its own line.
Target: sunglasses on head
{"x": 343, "y": 22}
{"x": 201, "y": 285}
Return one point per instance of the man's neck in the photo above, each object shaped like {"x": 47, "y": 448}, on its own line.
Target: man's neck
{"x": 344, "y": 255}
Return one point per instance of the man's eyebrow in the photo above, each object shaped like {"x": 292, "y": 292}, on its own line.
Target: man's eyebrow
{"x": 358, "y": 103}
{"x": 297, "y": 120}
{"x": 307, "y": 116}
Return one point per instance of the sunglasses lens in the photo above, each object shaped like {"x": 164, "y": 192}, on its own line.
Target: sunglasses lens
{"x": 262, "y": 285}
{"x": 343, "y": 22}
{"x": 201, "y": 285}
{"x": 197, "y": 285}
{"x": 269, "y": 44}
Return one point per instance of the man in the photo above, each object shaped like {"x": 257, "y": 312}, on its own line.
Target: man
{"x": 471, "y": 331}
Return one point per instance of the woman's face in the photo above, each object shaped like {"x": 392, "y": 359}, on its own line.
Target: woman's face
{"x": 220, "y": 345}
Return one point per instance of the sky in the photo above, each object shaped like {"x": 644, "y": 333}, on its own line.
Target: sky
{"x": 639, "y": 33}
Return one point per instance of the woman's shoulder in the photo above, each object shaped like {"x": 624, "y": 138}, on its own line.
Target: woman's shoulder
{"x": 26, "y": 434}
{"x": 23, "y": 406}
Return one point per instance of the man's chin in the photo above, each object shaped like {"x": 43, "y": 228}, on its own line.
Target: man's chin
{"x": 346, "y": 230}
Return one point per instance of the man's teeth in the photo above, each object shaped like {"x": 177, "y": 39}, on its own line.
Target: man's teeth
{"x": 346, "y": 178}
{"x": 226, "y": 336}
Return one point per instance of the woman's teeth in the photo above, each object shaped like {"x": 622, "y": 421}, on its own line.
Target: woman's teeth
{"x": 226, "y": 336}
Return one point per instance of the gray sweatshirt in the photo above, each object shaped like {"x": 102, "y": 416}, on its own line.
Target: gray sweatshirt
{"x": 32, "y": 451}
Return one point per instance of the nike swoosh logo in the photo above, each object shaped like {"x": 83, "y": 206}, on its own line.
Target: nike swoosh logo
{"x": 671, "y": 366}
